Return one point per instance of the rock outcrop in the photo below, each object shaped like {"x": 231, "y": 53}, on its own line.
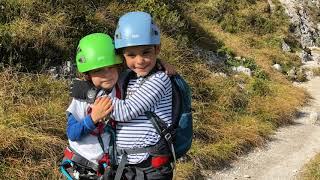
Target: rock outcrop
{"x": 303, "y": 25}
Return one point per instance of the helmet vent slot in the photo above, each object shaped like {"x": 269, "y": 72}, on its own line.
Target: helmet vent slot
{"x": 118, "y": 36}
{"x": 82, "y": 60}
{"x": 78, "y": 50}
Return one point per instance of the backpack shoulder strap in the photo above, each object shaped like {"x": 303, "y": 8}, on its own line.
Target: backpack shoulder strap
{"x": 129, "y": 74}
{"x": 82, "y": 89}
{"x": 164, "y": 131}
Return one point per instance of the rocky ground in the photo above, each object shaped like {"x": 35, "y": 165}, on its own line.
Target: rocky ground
{"x": 290, "y": 148}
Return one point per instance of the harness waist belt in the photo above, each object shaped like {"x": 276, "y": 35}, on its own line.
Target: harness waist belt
{"x": 77, "y": 158}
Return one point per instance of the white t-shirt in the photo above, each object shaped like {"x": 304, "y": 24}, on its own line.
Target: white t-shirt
{"x": 88, "y": 146}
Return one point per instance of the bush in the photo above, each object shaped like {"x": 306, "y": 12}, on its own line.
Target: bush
{"x": 168, "y": 18}
{"x": 244, "y": 15}
{"x": 259, "y": 24}
{"x": 38, "y": 34}
{"x": 259, "y": 87}
{"x": 292, "y": 42}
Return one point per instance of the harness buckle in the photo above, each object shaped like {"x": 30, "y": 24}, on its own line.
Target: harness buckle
{"x": 122, "y": 151}
{"x": 168, "y": 137}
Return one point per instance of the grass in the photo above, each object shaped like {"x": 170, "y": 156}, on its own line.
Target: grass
{"x": 31, "y": 122}
{"x": 316, "y": 71}
{"x": 311, "y": 170}
{"x": 232, "y": 114}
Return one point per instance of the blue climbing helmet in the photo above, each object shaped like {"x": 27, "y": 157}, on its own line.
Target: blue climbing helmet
{"x": 135, "y": 29}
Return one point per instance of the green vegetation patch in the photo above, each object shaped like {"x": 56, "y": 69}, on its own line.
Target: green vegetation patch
{"x": 33, "y": 123}
{"x": 245, "y": 15}
{"x": 312, "y": 169}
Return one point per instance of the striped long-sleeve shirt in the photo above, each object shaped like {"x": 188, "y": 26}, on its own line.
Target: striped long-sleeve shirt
{"x": 134, "y": 129}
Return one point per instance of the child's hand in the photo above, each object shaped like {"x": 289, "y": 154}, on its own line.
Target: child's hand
{"x": 168, "y": 68}
{"x": 101, "y": 108}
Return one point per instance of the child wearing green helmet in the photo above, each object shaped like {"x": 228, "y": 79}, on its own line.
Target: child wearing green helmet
{"x": 86, "y": 129}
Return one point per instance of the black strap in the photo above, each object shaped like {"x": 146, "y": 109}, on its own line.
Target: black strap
{"x": 139, "y": 172}
{"x": 163, "y": 130}
{"x": 153, "y": 150}
{"x": 85, "y": 90}
{"x": 101, "y": 142}
{"x": 137, "y": 150}
{"x": 78, "y": 159}
{"x": 124, "y": 160}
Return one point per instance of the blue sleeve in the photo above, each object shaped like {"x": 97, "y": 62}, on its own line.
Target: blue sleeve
{"x": 77, "y": 129}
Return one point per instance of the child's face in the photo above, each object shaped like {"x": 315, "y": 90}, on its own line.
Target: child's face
{"x": 141, "y": 59}
{"x": 105, "y": 77}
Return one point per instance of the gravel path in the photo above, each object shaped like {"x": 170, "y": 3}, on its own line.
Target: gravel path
{"x": 291, "y": 147}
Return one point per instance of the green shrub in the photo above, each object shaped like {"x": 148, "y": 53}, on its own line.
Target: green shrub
{"x": 239, "y": 102}
{"x": 244, "y": 15}
{"x": 168, "y": 18}
{"x": 259, "y": 24}
{"x": 225, "y": 51}
{"x": 231, "y": 24}
{"x": 287, "y": 61}
{"x": 292, "y": 42}
{"x": 259, "y": 87}
{"x": 301, "y": 76}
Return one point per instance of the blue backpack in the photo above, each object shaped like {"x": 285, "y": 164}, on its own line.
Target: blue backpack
{"x": 179, "y": 134}
{"x": 183, "y": 122}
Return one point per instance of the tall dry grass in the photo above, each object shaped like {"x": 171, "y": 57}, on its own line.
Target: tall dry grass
{"x": 311, "y": 171}
{"x": 32, "y": 125}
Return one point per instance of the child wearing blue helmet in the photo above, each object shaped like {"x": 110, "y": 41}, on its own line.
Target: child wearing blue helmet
{"x": 142, "y": 153}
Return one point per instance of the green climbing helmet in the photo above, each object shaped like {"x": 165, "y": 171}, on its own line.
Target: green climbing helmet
{"x": 96, "y": 51}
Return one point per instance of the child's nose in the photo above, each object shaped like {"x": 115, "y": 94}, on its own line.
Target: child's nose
{"x": 140, "y": 59}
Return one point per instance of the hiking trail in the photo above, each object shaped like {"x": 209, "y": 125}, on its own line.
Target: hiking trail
{"x": 289, "y": 150}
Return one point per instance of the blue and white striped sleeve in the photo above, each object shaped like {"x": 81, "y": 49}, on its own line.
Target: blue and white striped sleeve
{"x": 147, "y": 96}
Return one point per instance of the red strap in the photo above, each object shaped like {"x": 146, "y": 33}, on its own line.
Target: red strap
{"x": 89, "y": 110}
{"x": 100, "y": 129}
{"x": 159, "y": 161}
{"x": 105, "y": 159}
{"x": 68, "y": 153}
{"x": 118, "y": 92}
{"x": 113, "y": 123}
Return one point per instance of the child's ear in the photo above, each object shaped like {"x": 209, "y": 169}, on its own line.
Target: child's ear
{"x": 157, "y": 48}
